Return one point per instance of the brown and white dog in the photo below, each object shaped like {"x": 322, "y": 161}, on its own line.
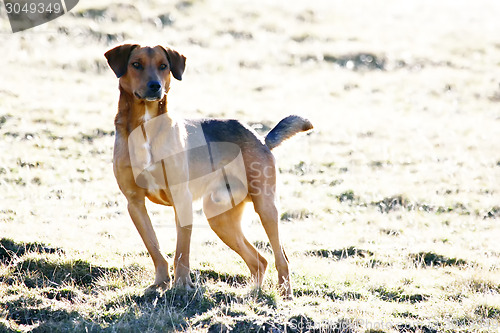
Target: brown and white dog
{"x": 173, "y": 162}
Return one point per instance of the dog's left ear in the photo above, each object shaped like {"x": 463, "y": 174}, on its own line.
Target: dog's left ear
{"x": 118, "y": 58}
{"x": 176, "y": 61}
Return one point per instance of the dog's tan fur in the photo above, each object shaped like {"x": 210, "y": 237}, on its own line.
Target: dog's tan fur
{"x": 140, "y": 70}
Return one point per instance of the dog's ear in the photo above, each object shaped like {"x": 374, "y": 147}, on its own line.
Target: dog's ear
{"x": 176, "y": 61}
{"x": 118, "y": 58}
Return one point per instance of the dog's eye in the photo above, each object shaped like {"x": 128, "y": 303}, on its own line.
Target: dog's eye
{"x": 163, "y": 67}
{"x": 136, "y": 65}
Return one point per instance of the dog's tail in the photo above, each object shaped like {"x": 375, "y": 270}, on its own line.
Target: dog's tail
{"x": 286, "y": 128}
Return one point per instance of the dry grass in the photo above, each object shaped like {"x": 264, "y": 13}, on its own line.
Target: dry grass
{"x": 390, "y": 208}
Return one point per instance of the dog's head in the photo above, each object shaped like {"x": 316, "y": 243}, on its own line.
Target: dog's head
{"x": 145, "y": 71}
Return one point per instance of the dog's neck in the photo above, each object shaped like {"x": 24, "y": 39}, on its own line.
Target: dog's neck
{"x": 133, "y": 112}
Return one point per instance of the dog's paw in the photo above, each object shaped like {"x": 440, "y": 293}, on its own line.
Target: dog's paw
{"x": 152, "y": 293}
{"x": 158, "y": 287}
{"x": 184, "y": 282}
{"x": 286, "y": 292}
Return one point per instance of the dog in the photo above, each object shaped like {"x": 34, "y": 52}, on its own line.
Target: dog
{"x": 175, "y": 161}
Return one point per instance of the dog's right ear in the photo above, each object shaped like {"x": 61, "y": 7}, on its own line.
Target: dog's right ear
{"x": 118, "y": 58}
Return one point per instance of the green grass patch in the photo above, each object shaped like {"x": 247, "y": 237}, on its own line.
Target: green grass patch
{"x": 431, "y": 259}
{"x": 36, "y": 272}
{"x": 488, "y": 311}
{"x": 398, "y": 295}
{"x": 415, "y": 328}
{"x": 293, "y": 215}
{"x": 341, "y": 253}
{"x": 231, "y": 279}
{"x": 10, "y": 250}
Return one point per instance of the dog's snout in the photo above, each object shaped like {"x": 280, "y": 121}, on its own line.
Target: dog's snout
{"x": 154, "y": 86}
{"x": 152, "y": 91}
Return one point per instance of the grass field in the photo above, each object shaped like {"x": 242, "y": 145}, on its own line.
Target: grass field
{"x": 390, "y": 209}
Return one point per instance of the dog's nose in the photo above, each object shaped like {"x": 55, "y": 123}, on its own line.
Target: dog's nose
{"x": 154, "y": 86}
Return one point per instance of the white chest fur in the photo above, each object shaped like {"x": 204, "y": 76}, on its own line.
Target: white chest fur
{"x": 150, "y": 111}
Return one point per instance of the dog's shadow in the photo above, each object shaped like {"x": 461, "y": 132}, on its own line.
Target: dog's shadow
{"x": 60, "y": 286}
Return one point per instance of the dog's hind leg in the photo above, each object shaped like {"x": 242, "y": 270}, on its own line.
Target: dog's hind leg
{"x": 228, "y": 227}
{"x": 262, "y": 188}
{"x": 269, "y": 216}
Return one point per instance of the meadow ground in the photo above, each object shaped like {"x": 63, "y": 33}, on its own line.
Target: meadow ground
{"x": 390, "y": 208}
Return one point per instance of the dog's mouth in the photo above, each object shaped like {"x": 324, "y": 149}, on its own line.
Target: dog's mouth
{"x": 149, "y": 97}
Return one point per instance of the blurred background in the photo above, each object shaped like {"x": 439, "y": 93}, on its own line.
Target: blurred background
{"x": 404, "y": 159}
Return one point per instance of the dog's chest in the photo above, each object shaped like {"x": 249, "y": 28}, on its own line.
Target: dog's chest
{"x": 153, "y": 145}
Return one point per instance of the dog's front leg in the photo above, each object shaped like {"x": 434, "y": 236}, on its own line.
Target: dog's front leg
{"x": 182, "y": 277}
{"x": 183, "y": 204}
{"x": 139, "y": 215}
